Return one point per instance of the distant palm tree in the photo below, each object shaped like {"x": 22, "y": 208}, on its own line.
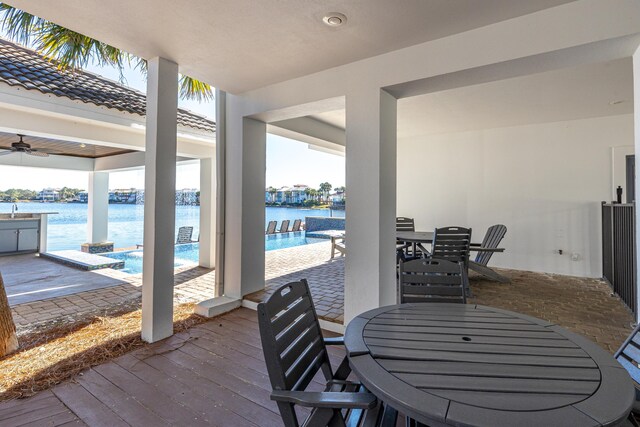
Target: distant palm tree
{"x": 325, "y": 188}
{"x": 73, "y": 50}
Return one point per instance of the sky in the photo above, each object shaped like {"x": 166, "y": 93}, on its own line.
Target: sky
{"x": 288, "y": 162}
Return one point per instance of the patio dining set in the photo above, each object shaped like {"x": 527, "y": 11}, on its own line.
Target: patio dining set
{"x": 435, "y": 360}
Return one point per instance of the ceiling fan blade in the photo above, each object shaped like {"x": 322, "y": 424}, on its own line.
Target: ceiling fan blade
{"x": 5, "y": 152}
{"x": 37, "y": 153}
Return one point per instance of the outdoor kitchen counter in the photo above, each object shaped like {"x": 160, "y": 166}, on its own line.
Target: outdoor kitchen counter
{"x": 23, "y": 232}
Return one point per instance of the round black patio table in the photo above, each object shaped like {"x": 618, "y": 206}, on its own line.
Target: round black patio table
{"x": 473, "y": 365}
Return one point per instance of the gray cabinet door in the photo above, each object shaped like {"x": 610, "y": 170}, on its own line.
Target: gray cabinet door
{"x": 28, "y": 239}
{"x": 8, "y": 240}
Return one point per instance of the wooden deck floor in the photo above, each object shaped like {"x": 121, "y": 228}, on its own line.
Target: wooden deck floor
{"x": 213, "y": 375}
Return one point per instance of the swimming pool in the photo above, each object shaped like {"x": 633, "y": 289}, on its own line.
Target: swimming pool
{"x": 187, "y": 254}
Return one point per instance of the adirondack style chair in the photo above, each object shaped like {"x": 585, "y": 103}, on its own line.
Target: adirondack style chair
{"x": 486, "y": 249}
{"x": 296, "y": 225}
{"x": 294, "y": 351}
{"x": 284, "y": 226}
{"x": 628, "y": 355}
{"x": 271, "y": 227}
{"x": 431, "y": 280}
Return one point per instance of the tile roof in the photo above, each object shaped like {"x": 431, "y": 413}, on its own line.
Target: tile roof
{"x": 26, "y": 68}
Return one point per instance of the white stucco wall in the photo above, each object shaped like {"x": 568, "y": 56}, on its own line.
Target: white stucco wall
{"x": 545, "y": 182}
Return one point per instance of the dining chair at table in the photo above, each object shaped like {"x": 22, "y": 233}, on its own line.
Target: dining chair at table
{"x": 431, "y": 280}
{"x": 295, "y": 350}
{"x": 406, "y": 251}
{"x": 452, "y": 244}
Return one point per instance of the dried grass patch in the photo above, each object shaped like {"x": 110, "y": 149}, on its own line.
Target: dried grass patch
{"x": 51, "y": 356}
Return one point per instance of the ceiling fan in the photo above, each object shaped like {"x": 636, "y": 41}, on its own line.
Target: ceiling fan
{"x": 23, "y": 147}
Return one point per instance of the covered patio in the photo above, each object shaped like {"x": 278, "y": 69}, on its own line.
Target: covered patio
{"x": 523, "y": 114}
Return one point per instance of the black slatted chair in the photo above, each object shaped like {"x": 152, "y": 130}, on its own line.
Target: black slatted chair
{"x": 432, "y": 280}
{"x": 294, "y": 351}
{"x": 405, "y": 224}
{"x": 628, "y": 355}
{"x": 406, "y": 251}
{"x": 486, "y": 249}
{"x": 284, "y": 227}
{"x": 452, "y": 244}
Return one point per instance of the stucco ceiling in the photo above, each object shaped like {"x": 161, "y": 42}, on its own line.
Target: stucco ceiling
{"x": 244, "y": 44}
{"x": 593, "y": 90}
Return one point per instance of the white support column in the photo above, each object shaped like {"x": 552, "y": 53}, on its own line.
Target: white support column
{"x": 254, "y": 154}
{"x": 225, "y": 298}
{"x": 636, "y": 125}
{"x": 98, "y": 209}
{"x": 207, "y": 212}
{"x": 370, "y": 273}
{"x": 244, "y": 216}
{"x": 159, "y": 208}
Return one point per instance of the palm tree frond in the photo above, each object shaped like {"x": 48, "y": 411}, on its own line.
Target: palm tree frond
{"x": 73, "y": 50}
{"x": 19, "y": 25}
{"x": 191, "y": 88}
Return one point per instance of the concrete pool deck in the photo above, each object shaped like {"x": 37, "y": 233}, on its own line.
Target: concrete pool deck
{"x": 29, "y": 278}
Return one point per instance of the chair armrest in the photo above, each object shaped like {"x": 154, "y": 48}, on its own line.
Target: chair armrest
{"x": 326, "y": 399}
{"x": 481, "y": 249}
{"x": 334, "y": 341}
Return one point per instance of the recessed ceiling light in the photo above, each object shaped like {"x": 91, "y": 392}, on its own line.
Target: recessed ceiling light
{"x": 83, "y": 145}
{"x": 334, "y": 19}
{"x": 619, "y": 101}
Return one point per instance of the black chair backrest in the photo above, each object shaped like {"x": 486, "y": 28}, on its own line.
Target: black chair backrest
{"x": 296, "y": 225}
{"x": 629, "y": 355}
{"x": 284, "y": 227}
{"x": 491, "y": 240}
{"x": 431, "y": 280}
{"x": 452, "y": 244}
{"x": 184, "y": 234}
{"x": 405, "y": 224}
{"x": 292, "y": 342}
{"x": 271, "y": 227}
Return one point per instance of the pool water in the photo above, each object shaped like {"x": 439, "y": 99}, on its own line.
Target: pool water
{"x": 187, "y": 254}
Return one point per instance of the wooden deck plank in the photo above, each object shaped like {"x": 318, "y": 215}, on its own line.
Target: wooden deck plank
{"x": 127, "y": 408}
{"x": 26, "y": 407}
{"x": 86, "y": 406}
{"x": 147, "y": 395}
{"x": 181, "y": 393}
{"x": 56, "y": 420}
{"x": 239, "y": 404}
{"x": 51, "y": 410}
{"x": 249, "y": 391}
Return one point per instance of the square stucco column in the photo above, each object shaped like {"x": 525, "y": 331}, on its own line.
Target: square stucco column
{"x": 244, "y": 196}
{"x": 160, "y": 202}
{"x": 207, "y": 212}
{"x": 98, "y": 209}
{"x": 370, "y": 272}
{"x": 636, "y": 126}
